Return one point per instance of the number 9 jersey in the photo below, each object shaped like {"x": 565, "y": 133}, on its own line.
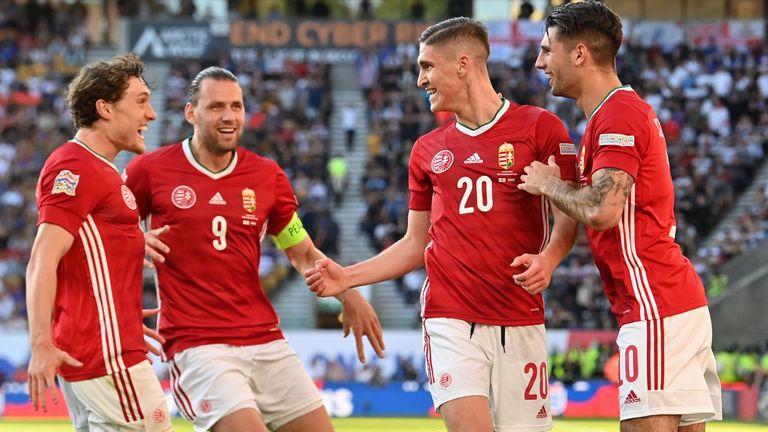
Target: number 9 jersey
{"x": 209, "y": 287}
{"x": 480, "y": 220}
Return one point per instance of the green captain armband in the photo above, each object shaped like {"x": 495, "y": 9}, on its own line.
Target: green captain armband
{"x": 291, "y": 235}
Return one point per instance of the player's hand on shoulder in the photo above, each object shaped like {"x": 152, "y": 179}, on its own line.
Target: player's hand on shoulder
{"x": 536, "y": 275}
{"x": 154, "y": 247}
{"x": 327, "y": 278}
{"x": 43, "y": 364}
{"x": 358, "y": 316}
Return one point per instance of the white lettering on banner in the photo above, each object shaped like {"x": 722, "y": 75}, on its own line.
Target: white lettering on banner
{"x": 338, "y": 402}
{"x": 185, "y": 42}
{"x": 617, "y": 140}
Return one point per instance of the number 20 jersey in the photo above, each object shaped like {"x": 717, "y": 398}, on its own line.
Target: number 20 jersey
{"x": 209, "y": 285}
{"x": 480, "y": 220}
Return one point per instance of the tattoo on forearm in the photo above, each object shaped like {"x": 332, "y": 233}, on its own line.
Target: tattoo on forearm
{"x": 581, "y": 203}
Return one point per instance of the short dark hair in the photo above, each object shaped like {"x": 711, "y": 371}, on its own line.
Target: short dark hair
{"x": 457, "y": 28}
{"x": 107, "y": 80}
{"x": 592, "y": 22}
{"x": 212, "y": 72}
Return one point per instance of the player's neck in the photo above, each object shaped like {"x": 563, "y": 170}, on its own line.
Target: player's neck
{"x": 98, "y": 142}
{"x": 595, "y": 88}
{"x": 213, "y": 162}
{"x": 480, "y": 108}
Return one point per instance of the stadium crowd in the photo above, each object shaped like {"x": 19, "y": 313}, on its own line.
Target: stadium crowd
{"x": 41, "y": 47}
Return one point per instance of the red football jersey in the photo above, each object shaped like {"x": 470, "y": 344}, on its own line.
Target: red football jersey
{"x": 644, "y": 273}
{"x": 97, "y": 312}
{"x": 467, "y": 178}
{"x": 209, "y": 287}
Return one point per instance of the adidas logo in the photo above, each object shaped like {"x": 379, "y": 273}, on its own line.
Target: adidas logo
{"x": 542, "y": 413}
{"x": 474, "y": 159}
{"x": 217, "y": 200}
{"x": 631, "y": 398}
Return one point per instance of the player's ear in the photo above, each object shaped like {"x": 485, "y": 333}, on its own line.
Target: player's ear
{"x": 189, "y": 113}
{"x": 104, "y": 109}
{"x": 579, "y": 53}
{"x": 463, "y": 65}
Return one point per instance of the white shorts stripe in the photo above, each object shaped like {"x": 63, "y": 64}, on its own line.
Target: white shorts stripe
{"x": 428, "y": 354}
{"x": 181, "y": 398}
{"x": 126, "y": 414}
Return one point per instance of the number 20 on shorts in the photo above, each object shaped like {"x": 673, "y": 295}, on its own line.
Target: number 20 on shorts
{"x": 536, "y": 371}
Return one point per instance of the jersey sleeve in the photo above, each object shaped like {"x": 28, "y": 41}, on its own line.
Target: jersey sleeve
{"x": 620, "y": 138}
{"x": 67, "y": 193}
{"x": 137, "y": 180}
{"x": 554, "y": 140}
{"x": 418, "y": 181}
{"x": 285, "y": 203}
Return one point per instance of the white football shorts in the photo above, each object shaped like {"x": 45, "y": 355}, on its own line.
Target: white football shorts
{"x": 131, "y": 400}
{"x": 666, "y": 367}
{"x": 510, "y": 370}
{"x": 210, "y": 381}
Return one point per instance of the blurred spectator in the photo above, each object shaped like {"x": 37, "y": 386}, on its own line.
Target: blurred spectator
{"x": 337, "y": 170}
{"x": 526, "y": 10}
{"x": 370, "y": 373}
{"x": 320, "y": 9}
{"x": 417, "y": 10}
{"x": 349, "y": 123}
{"x": 365, "y": 11}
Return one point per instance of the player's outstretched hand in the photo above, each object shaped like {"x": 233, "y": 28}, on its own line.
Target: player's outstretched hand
{"x": 327, "y": 278}
{"x": 154, "y": 247}
{"x": 538, "y": 272}
{"x": 151, "y": 333}
{"x": 538, "y": 176}
{"x": 43, "y": 363}
{"x": 358, "y": 316}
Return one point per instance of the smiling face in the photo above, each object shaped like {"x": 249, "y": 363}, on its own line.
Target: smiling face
{"x": 438, "y": 75}
{"x": 554, "y": 59}
{"x": 130, "y": 117}
{"x": 218, "y": 116}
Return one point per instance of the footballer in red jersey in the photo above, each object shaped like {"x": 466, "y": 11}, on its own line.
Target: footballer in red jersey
{"x": 230, "y": 367}
{"x": 482, "y": 241}
{"x": 668, "y": 376}
{"x": 479, "y": 220}
{"x": 220, "y": 219}
{"x": 644, "y": 273}
{"x": 85, "y": 271}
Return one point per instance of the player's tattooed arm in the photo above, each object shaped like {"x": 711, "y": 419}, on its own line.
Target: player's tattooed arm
{"x": 599, "y": 205}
